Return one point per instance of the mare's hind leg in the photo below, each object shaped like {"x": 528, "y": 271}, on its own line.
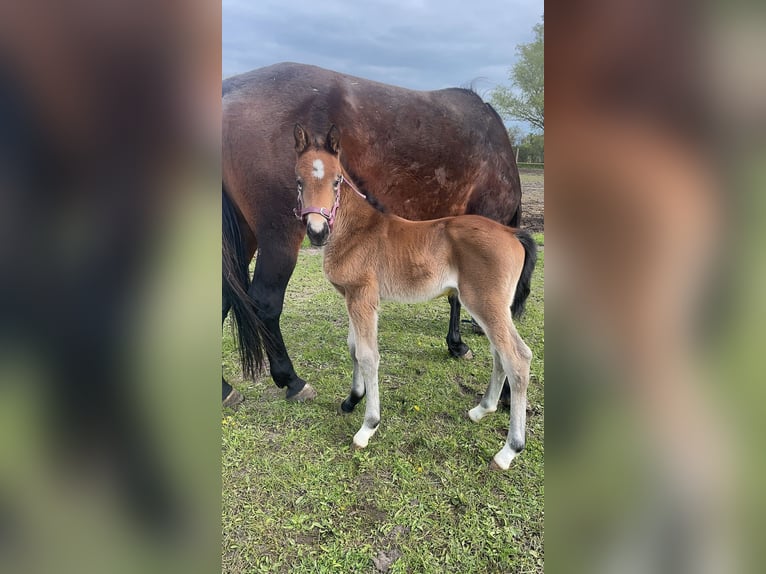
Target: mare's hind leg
{"x": 273, "y": 269}
{"x": 230, "y": 396}
{"x": 357, "y": 382}
{"x": 456, "y": 346}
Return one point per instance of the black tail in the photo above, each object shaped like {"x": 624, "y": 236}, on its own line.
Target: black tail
{"x": 525, "y": 281}
{"x": 236, "y": 281}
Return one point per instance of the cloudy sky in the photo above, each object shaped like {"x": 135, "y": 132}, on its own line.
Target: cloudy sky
{"x": 418, "y": 44}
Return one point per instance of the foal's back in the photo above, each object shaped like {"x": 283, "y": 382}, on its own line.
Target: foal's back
{"x": 419, "y": 260}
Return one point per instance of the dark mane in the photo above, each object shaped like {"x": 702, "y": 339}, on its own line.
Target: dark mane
{"x": 361, "y": 186}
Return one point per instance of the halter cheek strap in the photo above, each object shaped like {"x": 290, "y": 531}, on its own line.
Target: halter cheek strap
{"x": 301, "y": 212}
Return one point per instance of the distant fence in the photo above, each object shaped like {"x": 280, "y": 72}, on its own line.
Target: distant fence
{"x": 529, "y": 165}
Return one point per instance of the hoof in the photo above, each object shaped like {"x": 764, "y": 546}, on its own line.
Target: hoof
{"x": 307, "y": 393}
{"x": 461, "y": 351}
{"x": 477, "y": 413}
{"x": 233, "y": 399}
{"x": 348, "y": 405}
{"x": 494, "y": 466}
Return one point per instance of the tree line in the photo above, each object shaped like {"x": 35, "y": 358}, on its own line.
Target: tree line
{"x": 524, "y": 100}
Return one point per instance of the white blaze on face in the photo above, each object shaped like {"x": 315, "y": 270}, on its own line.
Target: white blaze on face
{"x": 318, "y": 171}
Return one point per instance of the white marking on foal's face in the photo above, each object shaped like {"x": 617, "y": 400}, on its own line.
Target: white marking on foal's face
{"x": 318, "y": 171}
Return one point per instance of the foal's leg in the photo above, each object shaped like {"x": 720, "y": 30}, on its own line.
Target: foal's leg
{"x": 357, "y": 382}
{"x": 455, "y": 345}
{"x": 363, "y": 315}
{"x": 516, "y": 362}
{"x": 488, "y": 403}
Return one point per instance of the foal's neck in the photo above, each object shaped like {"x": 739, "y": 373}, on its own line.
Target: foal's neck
{"x": 354, "y": 211}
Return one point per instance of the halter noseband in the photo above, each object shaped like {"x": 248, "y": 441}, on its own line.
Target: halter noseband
{"x": 301, "y": 212}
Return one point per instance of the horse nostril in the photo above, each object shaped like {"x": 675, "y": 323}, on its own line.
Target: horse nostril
{"x": 318, "y": 236}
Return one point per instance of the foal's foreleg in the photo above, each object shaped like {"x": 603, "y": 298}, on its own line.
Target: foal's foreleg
{"x": 357, "y": 382}
{"x": 363, "y": 316}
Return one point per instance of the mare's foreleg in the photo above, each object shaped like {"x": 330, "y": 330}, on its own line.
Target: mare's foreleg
{"x": 273, "y": 269}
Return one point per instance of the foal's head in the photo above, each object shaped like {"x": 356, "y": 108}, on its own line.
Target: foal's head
{"x": 318, "y": 175}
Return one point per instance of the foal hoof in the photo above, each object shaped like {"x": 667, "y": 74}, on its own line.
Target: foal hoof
{"x": 307, "y": 393}
{"x": 233, "y": 399}
{"x": 468, "y": 355}
{"x": 494, "y": 466}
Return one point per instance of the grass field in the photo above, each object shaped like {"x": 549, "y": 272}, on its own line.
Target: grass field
{"x": 419, "y": 498}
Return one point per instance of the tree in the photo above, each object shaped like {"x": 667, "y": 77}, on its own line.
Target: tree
{"x": 525, "y": 99}
{"x": 531, "y": 149}
{"x": 515, "y": 134}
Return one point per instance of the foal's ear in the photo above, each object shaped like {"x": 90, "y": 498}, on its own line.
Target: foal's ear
{"x": 301, "y": 138}
{"x": 332, "y": 142}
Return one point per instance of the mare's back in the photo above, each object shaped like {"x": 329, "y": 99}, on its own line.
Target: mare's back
{"x": 404, "y": 144}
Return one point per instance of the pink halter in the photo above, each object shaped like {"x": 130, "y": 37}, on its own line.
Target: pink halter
{"x": 301, "y": 212}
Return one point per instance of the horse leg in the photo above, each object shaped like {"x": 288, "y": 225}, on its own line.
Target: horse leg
{"x": 273, "y": 270}
{"x": 364, "y": 318}
{"x": 230, "y": 396}
{"x": 357, "y": 382}
{"x": 488, "y": 403}
{"x": 512, "y": 359}
{"x": 516, "y": 364}
{"x": 456, "y": 346}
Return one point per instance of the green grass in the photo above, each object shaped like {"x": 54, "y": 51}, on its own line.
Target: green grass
{"x": 298, "y": 498}
{"x": 536, "y": 176}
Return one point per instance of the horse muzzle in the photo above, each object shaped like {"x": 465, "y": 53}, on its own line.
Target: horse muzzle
{"x": 317, "y": 230}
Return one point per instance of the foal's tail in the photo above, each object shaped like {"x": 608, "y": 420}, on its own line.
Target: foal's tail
{"x": 525, "y": 281}
{"x": 236, "y": 281}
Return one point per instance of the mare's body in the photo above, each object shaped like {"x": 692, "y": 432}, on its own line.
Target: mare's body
{"x": 424, "y": 154}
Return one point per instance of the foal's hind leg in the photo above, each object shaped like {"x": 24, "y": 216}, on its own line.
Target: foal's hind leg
{"x": 516, "y": 362}
{"x": 488, "y": 403}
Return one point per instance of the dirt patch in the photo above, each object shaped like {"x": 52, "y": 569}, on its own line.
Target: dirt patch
{"x": 532, "y": 200}
{"x": 385, "y": 559}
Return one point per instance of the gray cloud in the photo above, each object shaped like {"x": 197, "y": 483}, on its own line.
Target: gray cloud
{"x": 426, "y": 44}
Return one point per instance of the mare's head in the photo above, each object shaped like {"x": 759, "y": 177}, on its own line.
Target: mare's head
{"x": 318, "y": 176}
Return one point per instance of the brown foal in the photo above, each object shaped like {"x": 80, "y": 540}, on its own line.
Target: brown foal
{"x": 370, "y": 255}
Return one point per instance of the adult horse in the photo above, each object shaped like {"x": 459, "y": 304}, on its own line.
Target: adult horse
{"x": 425, "y": 154}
